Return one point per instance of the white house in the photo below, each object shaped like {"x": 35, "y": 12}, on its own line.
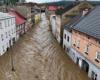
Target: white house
{"x": 7, "y": 31}
{"x": 20, "y": 23}
{"x": 67, "y": 38}
{"x": 53, "y": 24}
{"x": 67, "y": 35}
{"x": 56, "y": 26}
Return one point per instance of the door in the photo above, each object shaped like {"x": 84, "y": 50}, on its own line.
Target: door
{"x": 77, "y": 62}
{"x": 85, "y": 66}
{"x": 9, "y": 42}
{"x": 93, "y": 76}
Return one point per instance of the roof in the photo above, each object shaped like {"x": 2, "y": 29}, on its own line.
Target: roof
{"x": 77, "y": 9}
{"x": 73, "y": 22}
{"x": 5, "y": 15}
{"x": 52, "y": 8}
{"x": 90, "y": 25}
{"x": 19, "y": 19}
{"x": 65, "y": 9}
{"x": 23, "y": 10}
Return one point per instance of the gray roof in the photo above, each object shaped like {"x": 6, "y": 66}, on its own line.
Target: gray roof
{"x": 5, "y": 15}
{"x": 73, "y": 22}
{"x": 23, "y": 10}
{"x": 90, "y": 25}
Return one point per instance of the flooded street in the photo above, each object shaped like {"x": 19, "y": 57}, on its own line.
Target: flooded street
{"x": 38, "y": 56}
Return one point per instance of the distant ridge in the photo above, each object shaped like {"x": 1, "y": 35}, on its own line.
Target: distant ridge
{"x": 65, "y": 3}
{"x": 60, "y": 3}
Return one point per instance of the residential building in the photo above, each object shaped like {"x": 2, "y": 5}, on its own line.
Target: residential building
{"x": 55, "y": 26}
{"x": 86, "y": 44}
{"x": 7, "y": 32}
{"x": 36, "y": 10}
{"x": 64, "y": 18}
{"x": 20, "y": 23}
{"x": 67, "y": 35}
{"x": 26, "y": 12}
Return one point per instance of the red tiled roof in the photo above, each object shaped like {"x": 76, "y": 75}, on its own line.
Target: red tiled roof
{"x": 52, "y": 8}
{"x": 19, "y": 19}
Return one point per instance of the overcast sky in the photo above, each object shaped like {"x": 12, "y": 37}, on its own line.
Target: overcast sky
{"x": 42, "y": 1}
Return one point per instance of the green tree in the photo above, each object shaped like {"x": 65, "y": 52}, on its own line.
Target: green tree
{"x": 10, "y": 2}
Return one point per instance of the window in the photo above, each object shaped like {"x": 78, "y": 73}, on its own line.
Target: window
{"x": 12, "y": 31}
{"x": 5, "y": 23}
{"x": 78, "y": 43}
{"x": 8, "y": 22}
{"x": 99, "y": 42}
{"x": 9, "y": 33}
{"x": 15, "y": 30}
{"x": 54, "y": 17}
{"x": 6, "y": 35}
{"x": 87, "y": 49}
{"x": 64, "y": 47}
{"x": 3, "y": 48}
{"x": 13, "y": 20}
{"x": 97, "y": 56}
{"x": 2, "y": 37}
{"x": 74, "y": 42}
{"x": 65, "y": 36}
{"x": 0, "y": 25}
{"x": 68, "y": 38}
{"x": 93, "y": 76}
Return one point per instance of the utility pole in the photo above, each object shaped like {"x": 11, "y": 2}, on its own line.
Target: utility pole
{"x": 12, "y": 60}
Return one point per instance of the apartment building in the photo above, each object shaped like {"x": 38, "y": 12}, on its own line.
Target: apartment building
{"x": 86, "y": 44}
{"x": 58, "y": 21}
{"x": 55, "y": 26}
{"x": 67, "y": 34}
{"x": 20, "y": 23}
{"x": 7, "y": 32}
{"x": 26, "y": 12}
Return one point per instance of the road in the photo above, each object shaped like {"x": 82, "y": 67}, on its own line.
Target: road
{"x": 38, "y": 56}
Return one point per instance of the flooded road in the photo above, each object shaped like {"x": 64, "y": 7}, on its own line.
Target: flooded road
{"x": 38, "y": 56}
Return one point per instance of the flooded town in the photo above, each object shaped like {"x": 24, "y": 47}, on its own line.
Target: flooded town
{"x": 49, "y": 40}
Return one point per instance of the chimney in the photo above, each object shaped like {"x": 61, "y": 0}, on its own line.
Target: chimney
{"x": 85, "y": 12}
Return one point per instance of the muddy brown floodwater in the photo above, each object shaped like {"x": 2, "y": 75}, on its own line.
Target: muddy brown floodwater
{"x": 38, "y": 56}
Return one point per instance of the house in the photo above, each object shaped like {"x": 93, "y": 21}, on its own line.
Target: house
{"x": 3, "y": 9}
{"x": 36, "y": 10}
{"x": 64, "y": 16}
{"x": 55, "y": 26}
{"x": 26, "y": 12}
{"x": 7, "y": 32}
{"x": 67, "y": 34}
{"x": 52, "y": 8}
{"x": 20, "y": 23}
{"x": 86, "y": 44}
{"x": 51, "y": 11}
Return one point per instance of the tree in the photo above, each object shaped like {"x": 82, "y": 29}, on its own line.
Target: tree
{"x": 10, "y": 2}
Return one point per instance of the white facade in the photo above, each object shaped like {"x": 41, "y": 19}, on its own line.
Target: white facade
{"x": 7, "y": 32}
{"x": 93, "y": 70}
{"x": 58, "y": 32}
{"x": 56, "y": 27}
{"x": 66, "y": 39}
{"x": 53, "y": 24}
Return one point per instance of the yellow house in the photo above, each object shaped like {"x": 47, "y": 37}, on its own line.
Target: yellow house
{"x": 37, "y": 18}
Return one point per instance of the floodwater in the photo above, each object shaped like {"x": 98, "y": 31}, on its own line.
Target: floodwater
{"x": 38, "y": 56}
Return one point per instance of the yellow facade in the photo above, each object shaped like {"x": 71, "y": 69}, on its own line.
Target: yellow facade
{"x": 37, "y": 18}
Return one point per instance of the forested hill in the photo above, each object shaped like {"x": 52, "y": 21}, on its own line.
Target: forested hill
{"x": 66, "y": 3}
